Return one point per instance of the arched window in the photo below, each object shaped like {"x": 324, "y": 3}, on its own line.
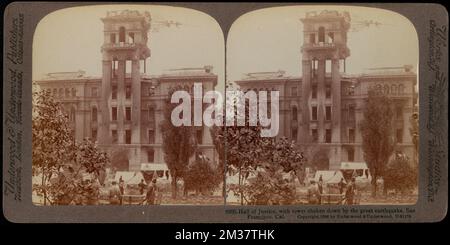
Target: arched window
{"x": 321, "y": 34}
{"x": 121, "y": 34}
{"x": 294, "y": 113}
{"x": 94, "y": 114}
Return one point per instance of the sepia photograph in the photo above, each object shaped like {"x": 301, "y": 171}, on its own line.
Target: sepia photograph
{"x": 225, "y": 113}
{"x": 347, "y": 107}
{"x": 102, "y": 134}
{"x": 131, "y": 107}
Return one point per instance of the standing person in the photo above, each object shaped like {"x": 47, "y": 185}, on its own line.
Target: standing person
{"x": 150, "y": 196}
{"x": 114, "y": 194}
{"x": 121, "y": 188}
{"x": 142, "y": 186}
{"x": 341, "y": 186}
{"x": 320, "y": 188}
{"x": 313, "y": 193}
{"x": 350, "y": 192}
{"x": 320, "y": 184}
{"x": 158, "y": 193}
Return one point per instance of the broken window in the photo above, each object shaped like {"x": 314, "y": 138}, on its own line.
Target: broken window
{"x": 127, "y": 136}
{"x": 128, "y": 113}
{"x": 314, "y": 113}
{"x": 121, "y": 34}
{"x": 294, "y": 113}
{"x": 114, "y": 113}
{"x": 328, "y": 113}
{"x": 327, "y": 135}
{"x": 321, "y": 34}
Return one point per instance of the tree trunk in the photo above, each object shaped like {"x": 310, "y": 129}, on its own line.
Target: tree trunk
{"x": 240, "y": 187}
{"x": 174, "y": 187}
{"x": 43, "y": 186}
{"x": 185, "y": 190}
{"x": 374, "y": 186}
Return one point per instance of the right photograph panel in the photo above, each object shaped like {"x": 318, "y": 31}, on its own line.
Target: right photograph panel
{"x": 322, "y": 107}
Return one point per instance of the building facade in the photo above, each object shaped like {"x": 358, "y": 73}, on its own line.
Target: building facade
{"x": 123, "y": 109}
{"x": 322, "y": 109}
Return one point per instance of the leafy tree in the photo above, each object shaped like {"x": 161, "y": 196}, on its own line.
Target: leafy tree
{"x": 258, "y": 162}
{"x": 273, "y": 184}
{"x": 53, "y": 144}
{"x": 377, "y": 134}
{"x": 119, "y": 159}
{"x": 58, "y": 160}
{"x": 201, "y": 177}
{"x": 400, "y": 175}
{"x": 320, "y": 159}
{"x": 178, "y": 142}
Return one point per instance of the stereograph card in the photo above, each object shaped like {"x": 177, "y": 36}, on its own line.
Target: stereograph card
{"x": 225, "y": 112}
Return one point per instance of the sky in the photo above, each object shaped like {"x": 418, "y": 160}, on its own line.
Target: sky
{"x": 70, "y": 40}
{"x": 270, "y": 40}
{"x": 263, "y": 40}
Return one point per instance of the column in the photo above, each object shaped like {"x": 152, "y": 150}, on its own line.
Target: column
{"x": 120, "y": 101}
{"x": 336, "y": 98}
{"x": 321, "y": 69}
{"x": 104, "y": 119}
{"x": 306, "y": 91}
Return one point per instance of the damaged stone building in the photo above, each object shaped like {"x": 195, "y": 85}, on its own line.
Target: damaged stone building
{"x": 322, "y": 109}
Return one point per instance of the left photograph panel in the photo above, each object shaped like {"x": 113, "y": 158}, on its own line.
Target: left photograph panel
{"x": 102, "y": 127}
